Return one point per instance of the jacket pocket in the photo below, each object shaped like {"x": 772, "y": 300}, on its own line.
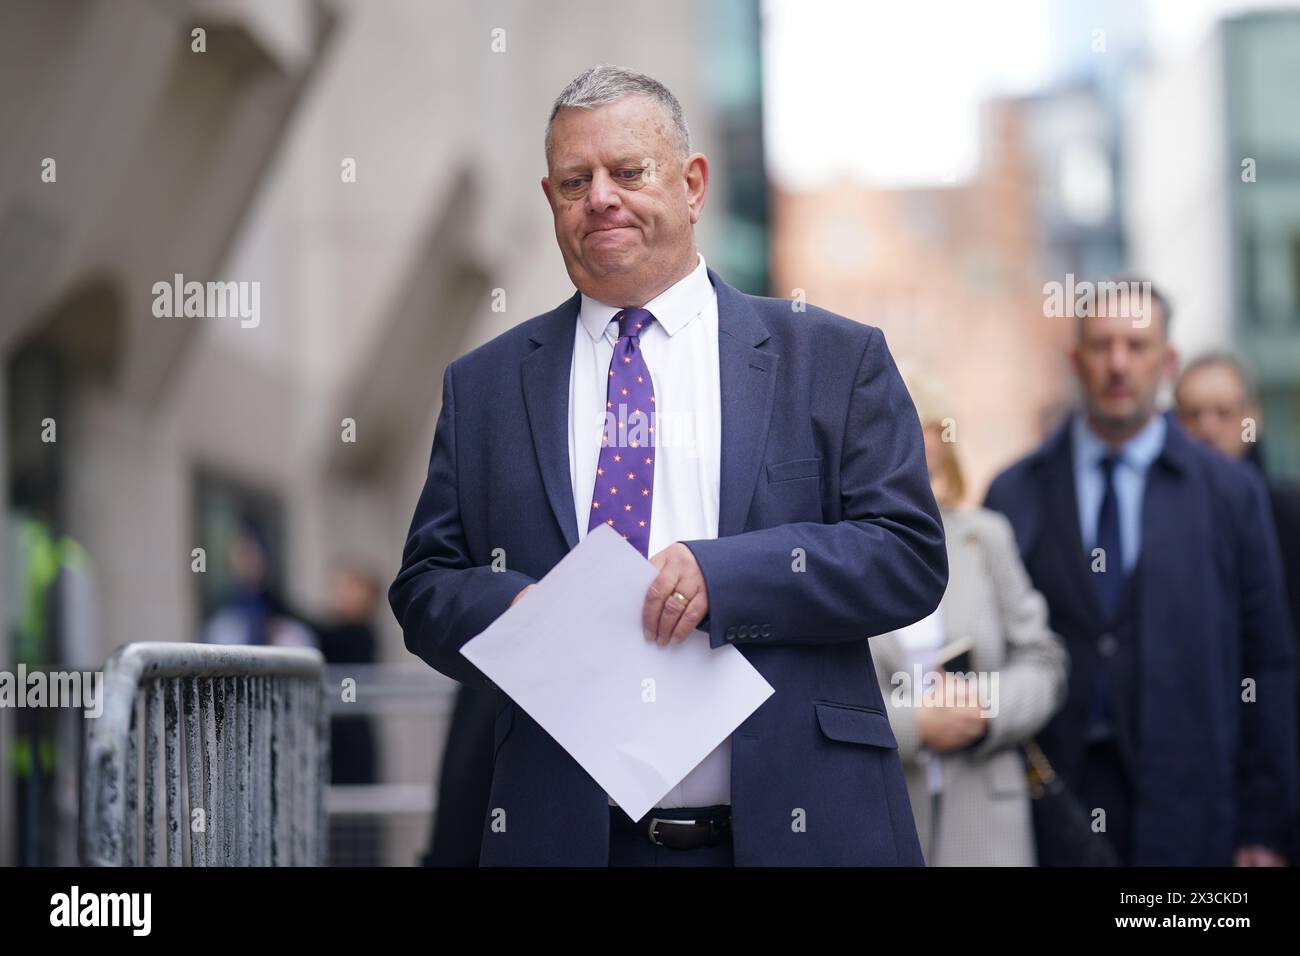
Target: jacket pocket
{"x": 790, "y": 470}
{"x": 855, "y": 725}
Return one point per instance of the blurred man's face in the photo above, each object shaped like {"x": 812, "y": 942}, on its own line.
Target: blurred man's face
{"x": 248, "y": 561}
{"x": 625, "y": 202}
{"x": 1120, "y": 366}
{"x": 1211, "y": 404}
{"x": 353, "y": 595}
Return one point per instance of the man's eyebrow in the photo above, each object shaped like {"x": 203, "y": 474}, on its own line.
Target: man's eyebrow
{"x": 621, "y": 161}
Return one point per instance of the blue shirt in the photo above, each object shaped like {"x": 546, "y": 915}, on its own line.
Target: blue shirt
{"x": 1136, "y": 456}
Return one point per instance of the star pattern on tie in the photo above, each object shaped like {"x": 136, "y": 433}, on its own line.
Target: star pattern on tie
{"x": 623, "y": 493}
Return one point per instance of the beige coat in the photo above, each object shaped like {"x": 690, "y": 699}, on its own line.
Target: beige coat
{"x": 982, "y": 815}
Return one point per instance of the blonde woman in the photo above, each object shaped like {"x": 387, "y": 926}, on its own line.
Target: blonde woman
{"x": 958, "y": 735}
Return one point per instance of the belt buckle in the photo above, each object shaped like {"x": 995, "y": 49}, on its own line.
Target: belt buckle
{"x": 654, "y": 837}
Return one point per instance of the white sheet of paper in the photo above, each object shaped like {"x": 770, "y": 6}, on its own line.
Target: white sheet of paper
{"x": 638, "y": 717}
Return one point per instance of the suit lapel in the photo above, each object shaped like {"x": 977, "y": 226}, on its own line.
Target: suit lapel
{"x": 545, "y": 373}
{"x": 1063, "y": 516}
{"x": 747, "y": 379}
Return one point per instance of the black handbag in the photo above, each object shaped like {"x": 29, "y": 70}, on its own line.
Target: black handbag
{"x": 1063, "y": 831}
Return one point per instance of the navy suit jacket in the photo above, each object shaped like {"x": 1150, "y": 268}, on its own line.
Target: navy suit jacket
{"x": 1212, "y": 772}
{"x": 822, "y": 462}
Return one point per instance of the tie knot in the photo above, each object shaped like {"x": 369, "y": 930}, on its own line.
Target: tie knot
{"x": 632, "y": 322}
{"x": 1109, "y": 461}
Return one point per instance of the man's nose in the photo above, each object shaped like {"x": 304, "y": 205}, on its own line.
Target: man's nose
{"x": 603, "y": 193}
{"x": 1119, "y": 357}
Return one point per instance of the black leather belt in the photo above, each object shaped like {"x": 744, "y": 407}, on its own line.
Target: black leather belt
{"x": 678, "y": 828}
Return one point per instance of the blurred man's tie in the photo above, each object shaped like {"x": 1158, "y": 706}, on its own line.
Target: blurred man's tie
{"x": 1110, "y": 583}
{"x": 1110, "y": 589}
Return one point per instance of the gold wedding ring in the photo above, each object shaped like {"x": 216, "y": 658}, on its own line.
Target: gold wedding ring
{"x": 680, "y": 597}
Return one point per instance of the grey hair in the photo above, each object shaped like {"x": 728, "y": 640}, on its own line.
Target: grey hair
{"x": 1228, "y": 360}
{"x": 606, "y": 84}
{"x": 1132, "y": 280}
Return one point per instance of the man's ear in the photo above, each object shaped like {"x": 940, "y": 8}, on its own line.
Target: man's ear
{"x": 697, "y": 184}
{"x": 546, "y": 189}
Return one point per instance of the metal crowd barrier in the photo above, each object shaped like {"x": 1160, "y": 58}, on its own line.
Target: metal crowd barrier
{"x": 242, "y": 729}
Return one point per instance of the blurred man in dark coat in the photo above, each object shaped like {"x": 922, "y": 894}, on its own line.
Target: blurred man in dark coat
{"x": 1217, "y": 403}
{"x": 1160, "y": 566}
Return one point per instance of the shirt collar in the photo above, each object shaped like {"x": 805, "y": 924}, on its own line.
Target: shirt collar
{"x": 673, "y": 308}
{"x": 1138, "y": 452}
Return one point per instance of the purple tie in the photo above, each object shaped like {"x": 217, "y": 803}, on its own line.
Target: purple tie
{"x": 625, "y": 474}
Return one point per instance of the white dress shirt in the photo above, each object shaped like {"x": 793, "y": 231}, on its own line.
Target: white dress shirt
{"x": 680, "y": 349}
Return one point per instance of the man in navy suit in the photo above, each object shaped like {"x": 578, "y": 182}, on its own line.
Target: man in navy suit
{"x": 793, "y": 521}
{"x": 1160, "y": 566}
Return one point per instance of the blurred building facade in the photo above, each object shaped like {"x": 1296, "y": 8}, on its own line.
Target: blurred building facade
{"x": 1212, "y": 160}
{"x": 375, "y": 168}
{"x": 950, "y": 274}
{"x": 955, "y": 274}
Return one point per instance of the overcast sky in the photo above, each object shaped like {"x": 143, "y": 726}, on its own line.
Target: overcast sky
{"x": 888, "y": 91}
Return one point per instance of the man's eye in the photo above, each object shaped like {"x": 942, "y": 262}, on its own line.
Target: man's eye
{"x": 572, "y": 184}
{"x": 629, "y": 175}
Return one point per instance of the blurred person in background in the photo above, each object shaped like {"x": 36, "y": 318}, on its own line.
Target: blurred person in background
{"x": 1217, "y": 403}
{"x": 255, "y": 613}
{"x": 1161, "y": 570}
{"x": 52, "y": 617}
{"x": 965, "y": 771}
{"x": 347, "y": 636}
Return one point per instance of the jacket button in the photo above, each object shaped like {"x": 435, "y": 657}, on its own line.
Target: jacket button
{"x": 1107, "y": 645}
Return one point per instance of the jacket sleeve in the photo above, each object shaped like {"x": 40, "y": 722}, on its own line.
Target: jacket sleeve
{"x": 440, "y": 597}
{"x": 880, "y": 568}
{"x": 1267, "y": 771}
{"x": 1032, "y": 679}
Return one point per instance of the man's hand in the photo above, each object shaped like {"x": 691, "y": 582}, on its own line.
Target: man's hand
{"x": 515, "y": 600}
{"x": 1257, "y": 856}
{"x": 677, "y": 599}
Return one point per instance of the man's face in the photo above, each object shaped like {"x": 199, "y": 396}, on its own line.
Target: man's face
{"x": 624, "y": 200}
{"x": 1120, "y": 366}
{"x": 1211, "y": 405}
{"x": 353, "y": 595}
